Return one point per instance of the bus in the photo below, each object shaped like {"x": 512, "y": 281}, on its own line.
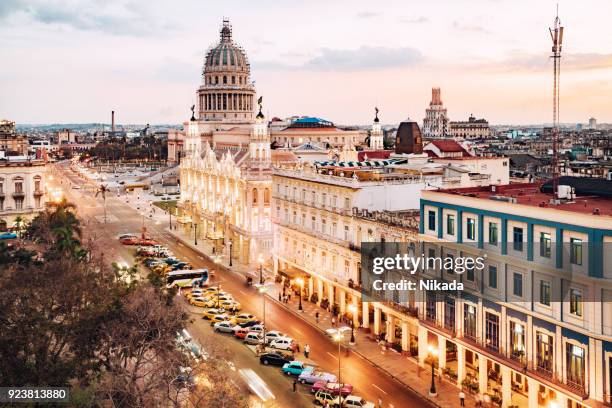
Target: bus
{"x": 186, "y": 278}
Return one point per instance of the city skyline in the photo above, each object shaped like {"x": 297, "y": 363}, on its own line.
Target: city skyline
{"x": 144, "y": 64}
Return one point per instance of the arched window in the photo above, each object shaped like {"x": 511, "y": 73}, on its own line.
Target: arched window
{"x": 233, "y": 79}
{"x": 216, "y": 80}
{"x": 267, "y": 196}
{"x": 254, "y": 196}
{"x": 225, "y": 79}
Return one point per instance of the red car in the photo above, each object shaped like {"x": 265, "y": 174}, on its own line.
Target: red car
{"x": 147, "y": 242}
{"x": 332, "y": 387}
{"x": 129, "y": 241}
{"x": 241, "y": 332}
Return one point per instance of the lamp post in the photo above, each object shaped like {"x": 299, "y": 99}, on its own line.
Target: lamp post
{"x": 260, "y": 260}
{"x": 300, "y": 282}
{"x": 195, "y": 234}
{"x": 217, "y": 260}
{"x": 262, "y": 289}
{"x": 353, "y": 310}
{"x": 338, "y": 338}
{"x": 433, "y": 352}
{"x": 230, "y": 252}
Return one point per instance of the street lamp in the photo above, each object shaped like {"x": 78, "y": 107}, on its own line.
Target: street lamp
{"x": 195, "y": 234}
{"x": 338, "y": 338}
{"x": 260, "y": 259}
{"x": 217, "y": 260}
{"x": 230, "y": 252}
{"x": 353, "y": 310}
{"x": 300, "y": 282}
{"x": 433, "y": 352}
{"x": 262, "y": 289}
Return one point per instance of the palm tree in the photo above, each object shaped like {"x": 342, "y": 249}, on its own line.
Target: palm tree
{"x": 19, "y": 223}
{"x": 103, "y": 190}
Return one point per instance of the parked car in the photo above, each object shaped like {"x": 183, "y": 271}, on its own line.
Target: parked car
{"x": 249, "y": 324}
{"x": 212, "y": 312}
{"x": 124, "y": 236}
{"x": 230, "y": 305}
{"x": 198, "y": 301}
{"x": 129, "y": 241}
{"x": 273, "y": 335}
{"x": 181, "y": 265}
{"x": 241, "y": 332}
{"x": 275, "y": 359}
{"x": 253, "y": 338}
{"x": 218, "y": 318}
{"x": 171, "y": 260}
{"x": 8, "y": 235}
{"x": 353, "y": 401}
{"x": 224, "y": 327}
{"x": 332, "y": 388}
{"x": 295, "y": 367}
{"x": 310, "y": 376}
{"x": 281, "y": 343}
{"x": 244, "y": 317}
{"x": 147, "y": 242}
{"x": 258, "y": 328}
{"x": 324, "y": 397}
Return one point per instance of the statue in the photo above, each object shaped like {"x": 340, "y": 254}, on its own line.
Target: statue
{"x": 193, "y": 112}
{"x": 259, "y": 102}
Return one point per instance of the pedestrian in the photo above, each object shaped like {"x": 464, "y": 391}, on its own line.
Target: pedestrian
{"x": 306, "y": 350}
{"x": 333, "y": 321}
{"x": 288, "y": 297}
{"x": 317, "y": 317}
{"x": 297, "y": 346}
{"x": 294, "y": 385}
{"x": 279, "y": 296}
{"x": 462, "y": 398}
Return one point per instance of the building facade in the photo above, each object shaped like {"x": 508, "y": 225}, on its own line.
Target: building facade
{"x": 471, "y": 129}
{"x": 435, "y": 124}
{"x": 22, "y": 189}
{"x": 12, "y": 143}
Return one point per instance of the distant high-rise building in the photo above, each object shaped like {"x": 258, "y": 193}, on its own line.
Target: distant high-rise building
{"x": 592, "y": 123}
{"x": 436, "y": 119}
{"x": 471, "y": 129}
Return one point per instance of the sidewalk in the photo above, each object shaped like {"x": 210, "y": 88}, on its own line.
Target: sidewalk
{"x": 401, "y": 368}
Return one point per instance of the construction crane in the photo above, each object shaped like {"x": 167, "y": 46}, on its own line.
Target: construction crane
{"x": 556, "y": 34}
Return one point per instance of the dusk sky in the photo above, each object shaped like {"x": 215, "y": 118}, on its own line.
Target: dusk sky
{"x": 74, "y": 61}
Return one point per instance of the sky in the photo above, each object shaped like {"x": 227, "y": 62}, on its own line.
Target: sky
{"x": 73, "y": 61}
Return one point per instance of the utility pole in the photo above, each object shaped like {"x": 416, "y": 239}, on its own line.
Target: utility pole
{"x": 556, "y": 34}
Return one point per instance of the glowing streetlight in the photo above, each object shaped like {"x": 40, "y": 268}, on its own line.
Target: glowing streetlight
{"x": 263, "y": 289}
{"x": 433, "y": 352}
{"x": 300, "y": 282}
{"x": 353, "y": 309}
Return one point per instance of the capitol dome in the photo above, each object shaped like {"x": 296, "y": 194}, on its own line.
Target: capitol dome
{"x": 226, "y": 93}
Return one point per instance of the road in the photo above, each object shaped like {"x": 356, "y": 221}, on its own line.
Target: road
{"x": 369, "y": 382}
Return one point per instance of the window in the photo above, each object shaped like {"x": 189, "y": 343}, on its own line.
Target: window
{"x": 493, "y": 233}
{"x": 492, "y": 331}
{"x": 492, "y": 276}
{"x": 545, "y": 244}
{"x": 19, "y": 187}
{"x": 314, "y": 198}
{"x": 544, "y": 352}
{"x": 449, "y": 313}
{"x": 517, "y": 234}
{"x": 469, "y": 321}
{"x": 430, "y": 306}
{"x": 334, "y": 202}
{"x": 517, "y": 341}
{"x": 576, "y": 302}
{"x": 517, "y": 287}
{"x": 324, "y": 199}
{"x": 471, "y": 229}
{"x": 576, "y": 251}
{"x": 295, "y": 217}
{"x": 224, "y": 79}
{"x": 431, "y": 220}
{"x": 575, "y": 365}
{"x": 303, "y": 220}
{"x": 545, "y": 293}
{"x": 324, "y": 226}
{"x": 346, "y": 233}
{"x": 334, "y": 230}
{"x": 303, "y": 195}
{"x": 313, "y": 224}
{"x": 18, "y": 203}
{"x": 347, "y": 204}
{"x": 469, "y": 273}
{"x": 36, "y": 185}
{"x": 450, "y": 224}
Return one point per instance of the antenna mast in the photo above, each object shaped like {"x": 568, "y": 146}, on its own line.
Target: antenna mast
{"x": 556, "y": 34}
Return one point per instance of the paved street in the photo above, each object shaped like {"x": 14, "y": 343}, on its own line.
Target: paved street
{"x": 368, "y": 381}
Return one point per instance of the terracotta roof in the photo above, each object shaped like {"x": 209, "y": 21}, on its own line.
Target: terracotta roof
{"x": 448, "y": 146}
{"x": 283, "y": 156}
{"x": 373, "y": 154}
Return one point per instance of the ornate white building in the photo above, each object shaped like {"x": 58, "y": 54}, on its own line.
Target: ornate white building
{"x": 225, "y": 166}
{"x": 436, "y": 119}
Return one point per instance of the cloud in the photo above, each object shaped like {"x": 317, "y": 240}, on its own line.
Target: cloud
{"x": 364, "y": 57}
{"x": 459, "y": 26}
{"x": 414, "y": 20}
{"x": 112, "y": 17}
{"x": 177, "y": 71}
{"x": 523, "y": 62}
{"x": 367, "y": 14}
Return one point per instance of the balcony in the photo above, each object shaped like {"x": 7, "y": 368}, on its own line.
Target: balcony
{"x": 38, "y": 193}
{"x": 18, "y": 194}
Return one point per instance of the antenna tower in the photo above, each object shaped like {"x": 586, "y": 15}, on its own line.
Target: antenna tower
{"x": 556, "y": 34}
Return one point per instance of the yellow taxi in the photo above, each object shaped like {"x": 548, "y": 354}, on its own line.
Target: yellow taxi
{"x": 218, "y": 318}
{"x": 230, "y": 305}
{"x": 198, "y": 301}
{"x": 244, "y": 318}
{"x": 210, "y": 312}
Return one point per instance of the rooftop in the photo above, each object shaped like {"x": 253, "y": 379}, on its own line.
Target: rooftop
{"x": 531, "y": 194}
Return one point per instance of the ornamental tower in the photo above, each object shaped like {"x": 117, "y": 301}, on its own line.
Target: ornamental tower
{"x": 436, "y": 119}
{"x": 259, "y": 146}
{"x": 227, "y": 93}
{"x": 376, "y": 135}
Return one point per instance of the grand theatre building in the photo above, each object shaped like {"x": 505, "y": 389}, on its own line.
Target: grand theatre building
{"x": 225, "y": 158}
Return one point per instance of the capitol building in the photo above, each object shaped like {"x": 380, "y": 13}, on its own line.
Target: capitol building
{"x": 225, "y": 158}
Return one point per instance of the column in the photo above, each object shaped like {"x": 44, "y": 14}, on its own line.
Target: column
{"x": 405, "y": 336}
{"x": 422, "y": 344}
{"x": 274, "y": 264}
{"x": 460, "y": 364}
{"x": 310, "y": 286}
{"x": 390, "y": 328}
{"x": 482, "y": 374}
{"x": 530, "y": 340}
{"x": 558, "y": 353}
{"x": 506, "y": 375}
{"x": 319, "y": 291}
{"x": 342, "y": 296}
{"x": 441, "y": 351}
{"x": 533, "y": 393}
{"x": 376, "y": 320}
{"x": 504, "y": 331}
{"x": 330, "y": 294}
{"x": 365, "y": 314}
{"x": 356, "y": 314}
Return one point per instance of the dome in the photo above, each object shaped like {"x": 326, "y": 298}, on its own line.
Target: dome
{"x": 226, "y": 55}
